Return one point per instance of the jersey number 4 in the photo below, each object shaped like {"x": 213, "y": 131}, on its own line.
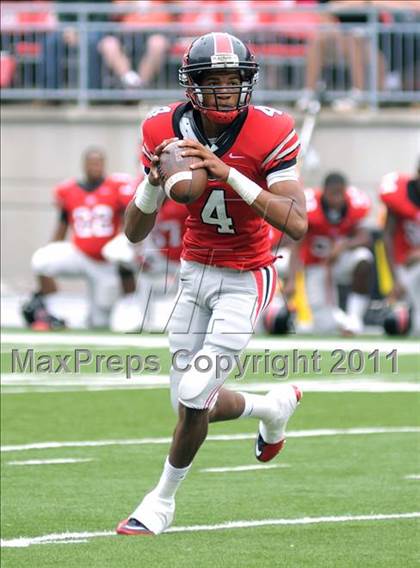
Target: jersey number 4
{"x": 214, "y": 212}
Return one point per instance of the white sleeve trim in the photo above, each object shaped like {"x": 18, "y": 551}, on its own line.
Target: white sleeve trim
{"x": 277, "y": 149}
{"x": 288, "y": 174}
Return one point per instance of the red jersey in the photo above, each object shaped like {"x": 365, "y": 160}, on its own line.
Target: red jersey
{"x": 94, "y": 216}
{"x": 221, "y": 229}
{"x": 169, "y": 229}
{"x": 394, "y": 193}
{"x": 321, "y": 231}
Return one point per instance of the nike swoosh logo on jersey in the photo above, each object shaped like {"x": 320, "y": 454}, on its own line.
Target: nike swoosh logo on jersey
{"x": 236, "y": 157}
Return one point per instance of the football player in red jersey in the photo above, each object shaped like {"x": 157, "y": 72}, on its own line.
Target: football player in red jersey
{"x": 227, "y": 275}
{"x": 92, "y": 210}
{"x": 401, "y": 195}
{"x": 335, "y": 251}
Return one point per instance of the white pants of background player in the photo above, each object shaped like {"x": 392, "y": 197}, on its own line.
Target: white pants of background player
{"x": 64, "y": 259}
{"x": 410, "y": 279}
{"x": 321, "y": 290}
{"x": 212, "y": 321}
{"x": 157, "y": 281}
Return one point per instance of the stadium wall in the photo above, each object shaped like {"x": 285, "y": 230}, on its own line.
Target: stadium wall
{"x": 42, "y": 146}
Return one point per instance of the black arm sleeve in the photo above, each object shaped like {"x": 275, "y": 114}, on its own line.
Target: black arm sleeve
{"x": 281, "y": 166}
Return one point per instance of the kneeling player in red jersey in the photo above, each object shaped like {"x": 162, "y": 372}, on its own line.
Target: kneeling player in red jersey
{"x": 335, "y": 252}
{"x": 401, "y": 195}
{"x": 92, "y": 209}
{"x": 227, "y": 275}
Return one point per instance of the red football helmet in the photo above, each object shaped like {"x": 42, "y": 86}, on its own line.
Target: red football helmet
{"x": 218, "y": 51}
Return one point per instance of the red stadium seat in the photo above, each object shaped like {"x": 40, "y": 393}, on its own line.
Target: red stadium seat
{"x": 7, "y": 69}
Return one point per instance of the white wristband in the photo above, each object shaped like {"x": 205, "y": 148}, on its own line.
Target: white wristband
{"x": 146, "y": 197}
{"x": 245, "y": 187}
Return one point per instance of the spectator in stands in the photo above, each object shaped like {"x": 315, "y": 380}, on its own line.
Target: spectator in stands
{"x": 270, "y": 27}
{"x": 276, "y": 30}
{"x": 334, "y": 252}
{"x": 337, "y": 45}
{"x": 401, "y": 47}
{"x": 22, "y": 39}
{"x": 202, "y": 16}
{"x": 91, "y": 209}
{"x": 60, "y": 44}
{"x": 153, "y": 47}
{"x": 196, "y": 18}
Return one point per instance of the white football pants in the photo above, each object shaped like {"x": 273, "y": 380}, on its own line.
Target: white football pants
{"x": 321, "y": 288}
{"x": 64, "y": 259}
{"x": 410, "y": 279}
{"x": 213, "y": 320}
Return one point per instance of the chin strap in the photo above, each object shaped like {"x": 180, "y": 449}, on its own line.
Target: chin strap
{"x": 221, "y": 117}
{"x": 217, "y": 116}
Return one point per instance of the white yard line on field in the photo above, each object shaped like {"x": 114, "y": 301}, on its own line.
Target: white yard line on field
{"x": 243, "y": 468}
{"x": 73, "y": 541}
{"x": 66, "y": 538}
{"x": 404, "y": 347}
{"x": 413, "y": 476}
{"x": 50, "y": 462}
{"x": 83, "y": 380}
{"x": 211, "y": 438}
{"x": 17, "y": 383}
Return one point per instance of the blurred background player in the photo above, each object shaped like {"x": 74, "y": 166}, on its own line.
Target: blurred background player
{"x": 401, "y": 195}
{"x": 156, "y": 263}
{"x": 91, "y": 209}
{"x": 335, "y": 251}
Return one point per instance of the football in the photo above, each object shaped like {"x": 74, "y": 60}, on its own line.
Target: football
{"x": 180, "y": 183}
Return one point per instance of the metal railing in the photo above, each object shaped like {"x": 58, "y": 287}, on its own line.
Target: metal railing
{"x": 381, "y": 58}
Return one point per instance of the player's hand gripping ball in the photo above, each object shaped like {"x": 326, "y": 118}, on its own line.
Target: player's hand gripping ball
{"x": 180, "y": 183}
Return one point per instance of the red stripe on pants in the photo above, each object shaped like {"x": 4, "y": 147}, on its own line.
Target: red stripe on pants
{"x": 273, "y": 283}
{"x": 211, "y": 396}
{"x": 259, "y": 282}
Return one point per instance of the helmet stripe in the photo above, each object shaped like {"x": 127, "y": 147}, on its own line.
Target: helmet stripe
{"x": 402, "y": 316}
{"x": 222, "y": 43}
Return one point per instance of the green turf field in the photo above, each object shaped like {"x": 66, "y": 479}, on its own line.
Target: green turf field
{"x": 340, "y": 497}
